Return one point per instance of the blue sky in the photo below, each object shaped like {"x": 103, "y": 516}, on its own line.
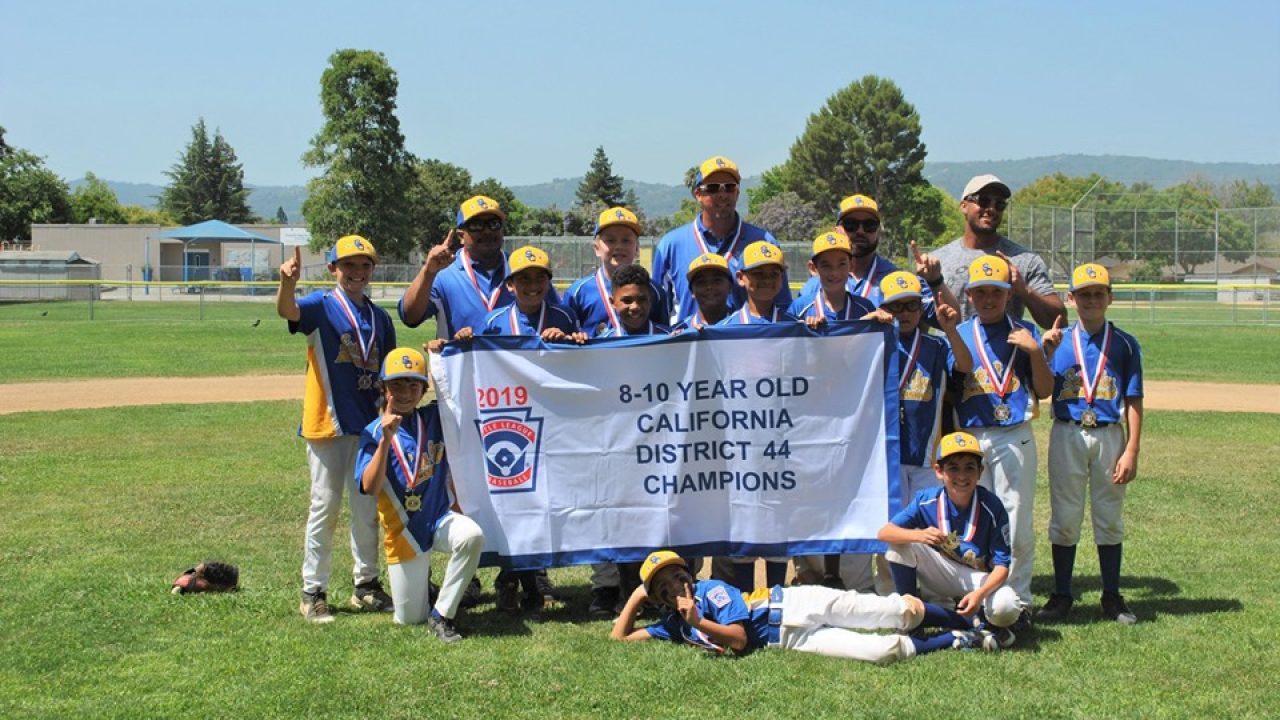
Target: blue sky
{"x": 525, "y": 91}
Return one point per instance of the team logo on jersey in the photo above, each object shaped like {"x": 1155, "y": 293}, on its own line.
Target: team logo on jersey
{"x": 511, "y": 438}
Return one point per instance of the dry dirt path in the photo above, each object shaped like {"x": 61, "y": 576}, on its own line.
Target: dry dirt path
{"x": 75, "y": 394}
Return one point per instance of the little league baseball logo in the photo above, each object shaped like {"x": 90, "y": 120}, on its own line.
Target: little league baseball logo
{"x": 511, "y": 438}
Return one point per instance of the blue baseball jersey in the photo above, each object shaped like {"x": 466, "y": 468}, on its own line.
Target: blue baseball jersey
{"x": 1121, "y": 378}
{"x": 409, "y": 534}
{"x": 744, "y": 316}
{"x": 589, "y": 300}
{"x": 720, "y": 603}
{"x": 510, "y": 321}
{"x": 464, "y": 299}
{"x": 978, "y": 400}
{"x": 866, "y": 287}
{"x": 653, "y": 328}
{"x": 981, "y": 530}
{"x": 342, "y": 387}
{"x": 693, "y": 322}
{"x": 680, "y": 246}
{"x": 817, "y": 306}
{"x": 921, "y": 394}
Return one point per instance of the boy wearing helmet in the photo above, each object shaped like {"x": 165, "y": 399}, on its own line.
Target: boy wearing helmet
{"x": 402, "y": 463}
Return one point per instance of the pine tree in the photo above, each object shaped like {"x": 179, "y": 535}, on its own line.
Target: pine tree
{"x": 282, "y": 217}
{"x": 600, "y": 185}
{"x": 207, "y": 182}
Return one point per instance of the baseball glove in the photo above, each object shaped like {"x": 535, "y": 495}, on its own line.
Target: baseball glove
{"x": 209, "y": 576}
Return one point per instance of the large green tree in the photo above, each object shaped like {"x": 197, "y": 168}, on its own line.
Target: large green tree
{"x": 207, "y": 182}
{"x": 790, "y": 218}
{"x": 439, "y": 188}
{"x": 600, "y": 185}
{"x": 29, "y": 193}
{"x": 367, "y": 176}
{"x": 95, "y": 200}
{"x": 865, "y": 139}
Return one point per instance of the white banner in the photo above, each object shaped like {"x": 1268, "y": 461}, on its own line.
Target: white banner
{"x": 754, "y": 440}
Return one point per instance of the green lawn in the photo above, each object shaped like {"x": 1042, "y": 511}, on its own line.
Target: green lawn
{"x": 94, "y": 529}
{"x": 168, "y": 339}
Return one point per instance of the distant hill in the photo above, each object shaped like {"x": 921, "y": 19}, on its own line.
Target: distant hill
{"x": 658, "y": 200}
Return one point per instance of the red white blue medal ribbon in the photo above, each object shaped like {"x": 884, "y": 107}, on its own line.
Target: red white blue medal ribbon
{"x": 745, "y": 315}
{"x": 865, "y": 286}
{"x": 489, "y": 301}
{"x": 944, "y": 523}
{"x": 1000, "y": 384}
{"x": 1089, "y": 381}
{"x": 366, "y": 348}
{"x": 514, "y": 316}
{"x": 733, "y": 244}
{"x": 911, "y": 363}
{"x": 822, "y": 308}
{"x": 606, "y": 298}
{"x": 408, "y": 470}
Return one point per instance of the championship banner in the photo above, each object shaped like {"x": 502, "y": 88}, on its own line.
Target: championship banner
{"x": 762, "y": 440}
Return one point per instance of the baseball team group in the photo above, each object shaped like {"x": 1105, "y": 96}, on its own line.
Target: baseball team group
{"x": 957, "y": 570}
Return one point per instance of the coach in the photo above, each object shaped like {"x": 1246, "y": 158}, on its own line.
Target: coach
{"x": 983, "y": 203}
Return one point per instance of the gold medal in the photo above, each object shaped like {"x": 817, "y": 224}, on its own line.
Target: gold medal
{"x": 1002, "y": 412}
{"x": 1089, "y": 418}
{"x": 364, "y": 383}
{"x": 952, "y": 542}
{"x": 413, "y": 503}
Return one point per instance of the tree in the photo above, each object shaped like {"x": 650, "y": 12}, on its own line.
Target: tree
{"x": 790, "y": 218}
{"x": 866, "y": 139}
{"x": 367, "y": 175}
{"x": 600, "y": 185}
{"x": 207, "y": 182}
{"x": 282, "y": 218}
{"x": 29, "y": 193}
{"x": 95, "y": 200}
{"x": 438, "y": 190}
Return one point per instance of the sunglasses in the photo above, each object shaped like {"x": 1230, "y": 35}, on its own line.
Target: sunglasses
{"x": 986, "y": 201}
{"x": 904, "y": 306}
{"x": 714, "y": 188}
{"x": 486, "y": 224}
{"x": 851, "y": 225}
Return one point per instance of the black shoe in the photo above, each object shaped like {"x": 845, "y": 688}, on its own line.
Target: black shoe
{"x": 604, "y": 601}
{"x": 1114, "y": 608}
{"x": 471, "y": 596}
{"x": 508, "y": 595}
{"x": 444, "y": 629}
{"x": 371, "y": 596}
{"x": 550, "y": 596}
{"x": 533, "y": 601}
{"x": 1023, "y": 623}
{"x": 1058, "y": 607}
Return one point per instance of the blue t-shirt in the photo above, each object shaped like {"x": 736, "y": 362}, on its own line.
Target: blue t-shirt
{"x": 1122, "y": 377}
{"x": 680, "y": 246}
{"x": 979, "y": 405}
{"x": 720, "y": 603}
{"x": 342, "y": 387}
{"x": 981, "y": 530}
{"x": 588, "y": 299}
{"x": 510, "y": 321}
{"x": 855, "y": 307}
{"x": 921, "y": 395}
{"x": 459, "y": 301}
{"x": 866, "y": 287}
{"x": 409, "y": 534}
{"x": 743, "y": 316}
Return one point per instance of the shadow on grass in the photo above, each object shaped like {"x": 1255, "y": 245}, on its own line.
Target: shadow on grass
{"x": 1148, "y": 597}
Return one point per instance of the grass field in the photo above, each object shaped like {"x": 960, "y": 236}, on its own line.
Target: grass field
{"x": 100, "y": 509}
{"x": 149, "y": 339}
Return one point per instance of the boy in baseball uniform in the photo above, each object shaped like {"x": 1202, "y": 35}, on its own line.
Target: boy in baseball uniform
{"x": 402, "y": 463}
{"x": 710, "y": 283}
{"x": 1097, "y": 396}
{"x": 616, "y": 244}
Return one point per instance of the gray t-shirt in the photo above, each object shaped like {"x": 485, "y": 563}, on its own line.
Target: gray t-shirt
{"x": 955, "y": 258}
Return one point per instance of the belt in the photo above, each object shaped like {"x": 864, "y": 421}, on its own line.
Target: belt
{"x": 1088, "y": 427}
{"x": 775, "y": 616}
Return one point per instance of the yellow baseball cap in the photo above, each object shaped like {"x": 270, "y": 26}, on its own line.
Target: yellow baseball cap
{"x": 479, "y": 205}
{"x": 900, "y": 285}
{"x": 526, "y": 257}
{"x": 1088, "y": 275}
{"x": 989, "y": 270}
{"x": 708, "y": 261}
{"x": 854, "y": 203}
{"x": 404, "y": 362}
{"x": 760, "y": 253}
{"x": 351, "y": 246}
{"x": 959, "y": 442}
{"x": 617, "y": 216}
{"x": 715, "y": 164}
{"x": 655, "y": 562}
{"x": 831, "y": 241}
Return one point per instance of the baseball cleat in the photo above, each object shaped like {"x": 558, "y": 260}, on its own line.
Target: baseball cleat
{"x": 1114, "y": 608}
{"x": 997, "y": 639}
{"x": 1058, "y": 607}
{"x": 315, "y": 608}
{"x": 604, "y": 600}
{"x": 370, "y": 596}
{"x": 972, "y": 640}
{"x": 444, "y": 629}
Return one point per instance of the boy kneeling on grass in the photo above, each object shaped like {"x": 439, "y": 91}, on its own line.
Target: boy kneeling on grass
{"x": 716, "y": 616}
{"x": 402, "y": 463}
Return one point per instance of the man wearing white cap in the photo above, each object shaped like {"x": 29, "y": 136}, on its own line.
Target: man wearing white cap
{"x": 983, "y": 202}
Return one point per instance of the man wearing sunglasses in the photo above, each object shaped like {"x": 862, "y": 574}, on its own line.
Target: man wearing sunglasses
{"x": 716, "y": 229}
{"x": 983, "y": 203}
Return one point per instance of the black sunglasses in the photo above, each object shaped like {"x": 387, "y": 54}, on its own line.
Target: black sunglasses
{"x": 903, "y": 306}
{"x": 850, "y": 225}
{"x": 492, "y": 223}
{"x": 986, "y": 201}
{"x": 714, "y": 188}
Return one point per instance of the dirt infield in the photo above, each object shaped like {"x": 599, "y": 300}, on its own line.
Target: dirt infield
{"x": 76, "y": 394}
